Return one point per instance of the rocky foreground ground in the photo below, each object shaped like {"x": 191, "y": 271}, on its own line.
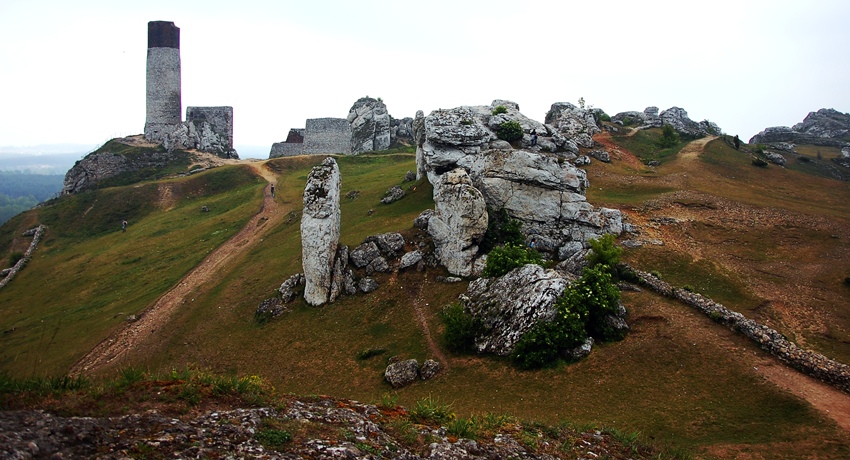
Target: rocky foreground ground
{"x": 315, "y": 428}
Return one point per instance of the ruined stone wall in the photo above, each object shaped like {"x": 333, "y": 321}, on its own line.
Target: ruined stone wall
{"x": 327, "y": 135}
{"x": 808, "y": 362}
{"x": 220, "y": 118}
{"x": 286, "y": 149}
{"x": 163, "y": 93}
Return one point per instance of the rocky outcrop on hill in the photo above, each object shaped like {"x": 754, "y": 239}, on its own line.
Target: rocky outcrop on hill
{"x": 826, "y": 127}
{"x": 9, "y": 273}
{"x": 511, "y": 305}
{"x": 674, "y": 116}
{"x": 96, "y": 167}
{"x": 401, "y": 131}
{"x": 323, "y": 264}
{"x": 459, "y": 149}
{"x": 370, "y": 125}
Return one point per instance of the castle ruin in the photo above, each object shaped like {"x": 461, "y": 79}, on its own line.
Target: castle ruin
{"x": 208, "y": 129}
{"x": 321, "y": 136}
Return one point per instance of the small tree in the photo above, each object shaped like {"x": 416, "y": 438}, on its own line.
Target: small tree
{"x": 461, "y": 329}
{"x": 499, "y": 109}
{"x": 604, "y": 252}
{"x": 669, "y": 137}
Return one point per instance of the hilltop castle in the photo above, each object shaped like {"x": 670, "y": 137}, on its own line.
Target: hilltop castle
{"x": 208, "y": 129}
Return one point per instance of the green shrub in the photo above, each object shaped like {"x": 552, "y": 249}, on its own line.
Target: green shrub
{"x": 847, "y": 281}
{"x": 509, "y": 131}
{"x": 604, "y": 252}
{"x": 462, "y": 428}
{"x": 669, "y": 137}
{"x": 500, "y": 109}
{"x": 604, "y": 117}
{"x": 461, "y": 329}
{"x": 505, "y": 258}
{"x": 596, "y": 292}
{"x": 501, "y": 229}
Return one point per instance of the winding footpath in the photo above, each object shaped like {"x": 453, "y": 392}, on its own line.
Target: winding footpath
{"x": 156, "y": 316}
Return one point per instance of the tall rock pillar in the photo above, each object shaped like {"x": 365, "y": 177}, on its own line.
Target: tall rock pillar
{"x": 164, "y": 105}
{"x": 320, "y": 233}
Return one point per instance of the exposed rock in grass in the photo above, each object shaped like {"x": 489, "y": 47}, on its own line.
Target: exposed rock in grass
{"x": 392, "y": 195}
{"x": 402, "y": 373}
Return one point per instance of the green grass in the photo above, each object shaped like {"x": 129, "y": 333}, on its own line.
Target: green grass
{"x": 644, "y": 144}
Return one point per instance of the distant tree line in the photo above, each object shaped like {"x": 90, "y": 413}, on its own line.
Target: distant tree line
{"x": 21, "y": 191}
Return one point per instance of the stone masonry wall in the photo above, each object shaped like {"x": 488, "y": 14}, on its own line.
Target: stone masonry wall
{"x": 163, "y": 93}
{"x": 808, "y": 362}
{"x": 327, "y": 135}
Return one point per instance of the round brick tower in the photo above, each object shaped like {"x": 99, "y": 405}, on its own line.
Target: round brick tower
{"x": 164, "y": 105}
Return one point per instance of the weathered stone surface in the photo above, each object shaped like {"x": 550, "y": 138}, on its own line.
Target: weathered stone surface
{"x": 401, "y": 131}
{"x": 582, "y": 160}
{"x": 573, "y": 123}
{"x": 410, "y": 259}
{"x": 370, "y": 125}
{"x": 775, "y": 158}
{"x": 429, "y": 369}
{"x": 390, "y": 244}
{"x": 292, "y": 287}
{"x": 402, "y": 373}
{"x": 410, "y": 176}
{"x": 367, "y": 285}
{"x": 320, "y": 222}
{"x": 36, "y": 233}
{"x": 362, "y": 255}
{"x": 97, "y": 167}
{"x": 459, "y": 221}
{"x": 601, "y": 155}
{"x": 582, "y": 351}
{"x": 674, "y": 116}
{"x": 392, "y": 195}
{"x": 421, "y": 221}
{"x": 511, "y": 305}
{"x": 378, "y": 264}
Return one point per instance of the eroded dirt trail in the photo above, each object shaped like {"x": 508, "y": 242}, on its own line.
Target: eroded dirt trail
{"x": 156, "y": 316}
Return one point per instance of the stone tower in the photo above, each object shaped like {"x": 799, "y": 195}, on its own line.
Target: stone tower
{"x": 164, "y": 105}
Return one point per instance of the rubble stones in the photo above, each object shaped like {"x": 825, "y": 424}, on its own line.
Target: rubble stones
{"x": 392, "y": 195}
{"x": 410, "y": 259}
{"x": 289, "y": 289}
{"x": 429, "y": 369}
{"x": 367, "y": 285}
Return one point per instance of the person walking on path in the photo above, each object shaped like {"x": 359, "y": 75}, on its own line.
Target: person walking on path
{"x": 272, "y": 190}
{"x": 123, "y": 226}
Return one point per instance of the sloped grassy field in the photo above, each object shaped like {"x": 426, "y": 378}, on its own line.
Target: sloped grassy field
{"x": 678, "y": 378}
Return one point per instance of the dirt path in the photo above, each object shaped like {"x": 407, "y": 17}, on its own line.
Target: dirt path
{"x": 157, "y": 315}
{"x": 418, "y": 308}
{"x": 693, "y": 150}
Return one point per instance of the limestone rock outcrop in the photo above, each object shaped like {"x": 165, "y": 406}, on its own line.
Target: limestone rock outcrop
{"x": 509, "y": 306}
{"x": 199, "y": 135}
{"x": 459, "y": 221}
{"x": 826, "y": 127}
{"x": 103, "y": 164}
{"x": 458, "y": 149}
{"x": 574, "y": 123}
{"x": 674, "y": 116}
{"x": 370, "y": 125}
{"x": 320, "y": 223}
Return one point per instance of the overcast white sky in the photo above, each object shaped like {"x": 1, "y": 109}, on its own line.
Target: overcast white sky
{"x": 74, "y": 71}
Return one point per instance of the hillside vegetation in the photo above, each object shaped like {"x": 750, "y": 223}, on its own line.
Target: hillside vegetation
{"x": 678, "y": 378}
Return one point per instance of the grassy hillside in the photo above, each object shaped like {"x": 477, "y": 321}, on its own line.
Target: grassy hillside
{"x": 87, "y": 276}
{"x": 678, "y": 378}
